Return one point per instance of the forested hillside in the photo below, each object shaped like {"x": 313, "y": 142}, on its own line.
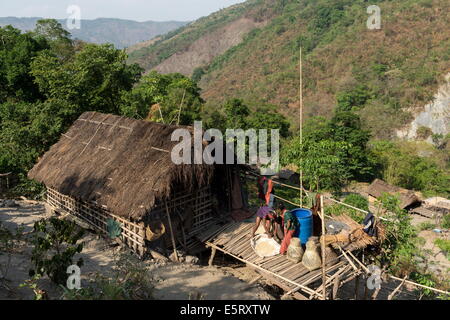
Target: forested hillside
{"x": 352, "y": 100}
{"x": 387, "y": 71}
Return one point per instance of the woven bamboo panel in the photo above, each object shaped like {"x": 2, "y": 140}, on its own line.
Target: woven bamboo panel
{"x": 133, "y": 233}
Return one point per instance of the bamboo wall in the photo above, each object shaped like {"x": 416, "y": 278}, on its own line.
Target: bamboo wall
{"x": 133, "y": 232}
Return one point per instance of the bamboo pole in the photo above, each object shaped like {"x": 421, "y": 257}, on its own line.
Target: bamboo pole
{"x": 301, "y": 127}
{"x": 324, "y": 276}
{"x": 397, "y": 289}
{"x": 400, "y": 279}
{"x": 171, "y": 232}
{"x": 181, "y": 106}
{"x": 304, "y": 288}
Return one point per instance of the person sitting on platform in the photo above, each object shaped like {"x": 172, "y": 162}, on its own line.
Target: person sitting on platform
{"x": 265, "y": 214}
{"x": 291, "y": 225}
{"x": 278, "y": 222}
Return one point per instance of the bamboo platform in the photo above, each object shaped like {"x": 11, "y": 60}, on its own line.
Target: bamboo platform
{"x": 234, "y": 239}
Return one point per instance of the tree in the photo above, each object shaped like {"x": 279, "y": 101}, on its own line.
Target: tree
{"x": 16, "y": 53}
{"x": 56, "y": 36}
{"x": 321, "y": 161}
{"x": 95, "y": 79}
{"x": 236, "y": 113}
{"x": 164, "y": 98}
{"x": 345, "y": 126}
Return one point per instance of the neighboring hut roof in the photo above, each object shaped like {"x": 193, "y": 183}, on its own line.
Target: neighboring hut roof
{"x": 121, "y": 163}
{"x": 378, "y": 187}
{"x": 438, "y": 202}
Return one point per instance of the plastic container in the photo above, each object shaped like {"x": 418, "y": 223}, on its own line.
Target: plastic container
{"x": 305, "y": 219}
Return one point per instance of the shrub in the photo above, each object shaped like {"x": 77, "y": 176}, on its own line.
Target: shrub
{"x": 400, "y": 245}
{"x": 446, "y": 221}
{"x": 426, "y": 226}
{"x": 423, "y": 133}
{"x": 129, "y": 281}
{"x": 444, "y": 245}
{"x": 55, "y": 244}
{"x": 358, "y": 201}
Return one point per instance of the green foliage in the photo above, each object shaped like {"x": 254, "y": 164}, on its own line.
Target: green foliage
{"x": 170, "y": 92}
{"x": 16, "y": 53}
{"x": 399, "y": 166}
{"x": 424, "y": 132}
{"x": 33, "y": 284}
{"x": 400, "y": 245}
{"x": 426, "y": 226}
{"x": 444, "y": 245}
{"x": 334, "y": 151}
{"x": 358, "y": 201}
{"x": 426, "y": 280}
{"x": 354, "y": 200}
{"x": 446, "y": 221}
{"x": 321, "y": 161}
{"x": 129, "y": 281}
{"x": 57, "y": 37}
{"x": 55, "y": 245}
{"x": 354, "y": 99}
{"x": 237, "y": 114}
{"x": 99, "y": 72}
{"x": 197, "y": 74}
{"x": 46, "y": 82}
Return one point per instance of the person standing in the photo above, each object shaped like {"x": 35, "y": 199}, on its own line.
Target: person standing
{"x": 266, "y": 190}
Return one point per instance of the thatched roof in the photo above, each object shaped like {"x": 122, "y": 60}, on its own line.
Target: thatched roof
{"x": 121, "y": 163}
{"x": 378, "y": 187}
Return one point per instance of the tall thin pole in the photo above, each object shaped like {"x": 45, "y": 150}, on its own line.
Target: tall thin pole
{"x": 301, "y": 128}
{"x": 324, "y": 276}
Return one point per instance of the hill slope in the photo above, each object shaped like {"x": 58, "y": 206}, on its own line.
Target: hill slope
{"x": 383, "y": 73}
{"x": 121, "y": 33}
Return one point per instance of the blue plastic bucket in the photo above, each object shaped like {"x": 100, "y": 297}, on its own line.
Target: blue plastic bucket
{"x": 304, "y": 217}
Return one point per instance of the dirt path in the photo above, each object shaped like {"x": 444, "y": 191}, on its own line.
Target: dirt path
{"x": 172, "y": 280}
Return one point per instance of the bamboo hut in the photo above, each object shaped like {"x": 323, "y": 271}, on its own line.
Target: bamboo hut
{"x": 109, "y": 167}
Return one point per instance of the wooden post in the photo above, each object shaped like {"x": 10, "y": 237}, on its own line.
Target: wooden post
{"x": 375, "y": 294}
{"x": 336, "y": 284}
{"x": 211, "y": 258}
{"x": 171, "y": 232}
{"x": 391, "y": 296}
{"x": 366, "y": 289}
{"x": 356, "y": 286}
{"x": 324, "y": 276}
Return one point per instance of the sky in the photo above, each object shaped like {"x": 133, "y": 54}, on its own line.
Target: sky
{"x": 139, "y": 10}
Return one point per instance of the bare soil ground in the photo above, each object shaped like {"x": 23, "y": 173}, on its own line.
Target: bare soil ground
{"x": 228, "y": 279}
{"x": 172, "y": 280}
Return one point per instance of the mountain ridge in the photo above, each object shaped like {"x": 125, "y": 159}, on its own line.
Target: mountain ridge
{"x": 120, "y": 32}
